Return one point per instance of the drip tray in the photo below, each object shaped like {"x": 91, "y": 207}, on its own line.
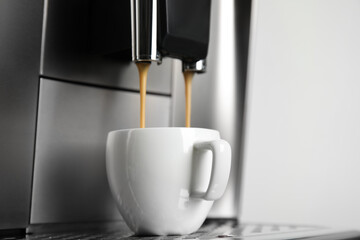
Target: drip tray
{"x": 212, "y": 229}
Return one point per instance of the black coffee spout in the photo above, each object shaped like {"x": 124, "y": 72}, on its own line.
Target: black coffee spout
{"x": 184, "y": 31}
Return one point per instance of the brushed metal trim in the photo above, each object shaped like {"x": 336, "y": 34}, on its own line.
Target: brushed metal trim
{"x": 20, "y": 35}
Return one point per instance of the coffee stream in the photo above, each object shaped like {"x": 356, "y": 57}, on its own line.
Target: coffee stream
{"x": 143, "y": 68}
{"x": 188, "y": 76}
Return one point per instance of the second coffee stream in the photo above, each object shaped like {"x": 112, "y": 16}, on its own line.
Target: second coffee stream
{"x": 188, "y": 76}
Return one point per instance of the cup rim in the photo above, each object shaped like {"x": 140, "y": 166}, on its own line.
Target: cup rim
{"x": 162, "y": 128}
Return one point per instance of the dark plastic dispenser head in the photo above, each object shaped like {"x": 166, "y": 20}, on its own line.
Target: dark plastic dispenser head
{"x": 184, "y": 28}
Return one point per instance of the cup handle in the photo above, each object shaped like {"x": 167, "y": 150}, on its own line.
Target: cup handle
{"x": 221, "y": 163}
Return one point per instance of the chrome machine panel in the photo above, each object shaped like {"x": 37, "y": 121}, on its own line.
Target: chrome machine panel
{"x": 218, "y": 95}
{"x": 70, "y": 183}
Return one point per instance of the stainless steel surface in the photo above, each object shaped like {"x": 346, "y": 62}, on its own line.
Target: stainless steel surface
{"x": 198, "y": 66}
{"x": 20, "y": 37}
{"x": 70, "y": 182}
{"x": 218, "y": 94}
{"x": 67, "y": 54}
{"x": 144, "y": 30}
{"x": 211, "y": 229}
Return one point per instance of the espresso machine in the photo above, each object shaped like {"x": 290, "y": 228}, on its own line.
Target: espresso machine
{"x": 67, "y": 78}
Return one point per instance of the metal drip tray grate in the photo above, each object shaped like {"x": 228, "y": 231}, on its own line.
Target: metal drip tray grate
{"x": 212, "y": 229}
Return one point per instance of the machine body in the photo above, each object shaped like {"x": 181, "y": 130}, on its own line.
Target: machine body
{"x": 67, "y": 65}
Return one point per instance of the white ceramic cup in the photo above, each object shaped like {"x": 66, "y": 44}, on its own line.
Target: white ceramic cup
{"x": 164, "y": 180}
